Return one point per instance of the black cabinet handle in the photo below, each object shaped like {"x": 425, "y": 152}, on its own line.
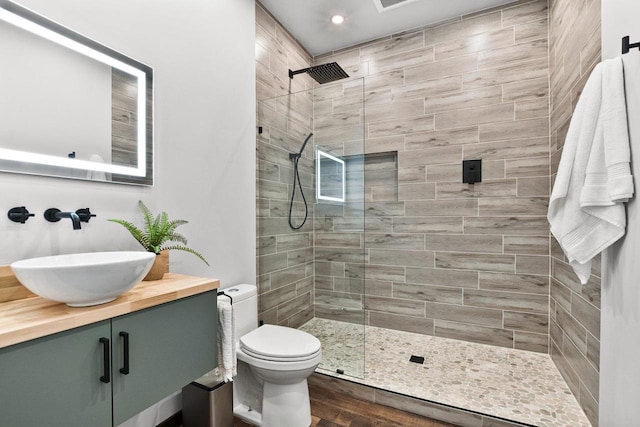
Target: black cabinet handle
{"x": 106, "y": 373}
{"x": 125, "y": 369}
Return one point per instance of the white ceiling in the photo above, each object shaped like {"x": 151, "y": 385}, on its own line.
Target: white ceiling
{"x": 309, "y": 21}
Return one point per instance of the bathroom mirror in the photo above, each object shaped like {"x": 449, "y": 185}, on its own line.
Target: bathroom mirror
{"x": 330, "y": 176}
{"x": 69, "y": 106}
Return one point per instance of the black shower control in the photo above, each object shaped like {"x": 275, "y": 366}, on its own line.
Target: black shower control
{"x": 471, "y": 171}
{"x": 19, "y": 214}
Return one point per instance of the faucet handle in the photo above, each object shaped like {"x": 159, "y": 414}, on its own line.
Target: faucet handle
{"x": 84, "y": 214}
{"x": 19, "y": 214}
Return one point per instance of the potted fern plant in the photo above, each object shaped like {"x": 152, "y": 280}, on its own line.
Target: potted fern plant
{"x": 158, "y": 236}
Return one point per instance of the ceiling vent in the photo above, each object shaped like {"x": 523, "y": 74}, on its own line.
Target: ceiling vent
{"x": 384, "y": 5}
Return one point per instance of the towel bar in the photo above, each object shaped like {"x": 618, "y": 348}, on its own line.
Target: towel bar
{"x": 226, "y": 295}
{"x": 626, "y": 46}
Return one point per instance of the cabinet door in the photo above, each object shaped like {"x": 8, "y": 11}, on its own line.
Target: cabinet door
{"x": 170, "y": 345}
{"x": 55, "y": 380}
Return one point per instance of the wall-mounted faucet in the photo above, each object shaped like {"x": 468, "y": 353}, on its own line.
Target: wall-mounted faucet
{"x": 19, "y": 214}
{"x": 55, "y": 215}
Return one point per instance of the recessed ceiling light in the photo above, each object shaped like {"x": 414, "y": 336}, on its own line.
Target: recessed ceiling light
{"x": 337, "y": 19}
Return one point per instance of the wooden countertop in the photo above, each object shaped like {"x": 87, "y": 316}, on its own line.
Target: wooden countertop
{"x": 29, "y": 318}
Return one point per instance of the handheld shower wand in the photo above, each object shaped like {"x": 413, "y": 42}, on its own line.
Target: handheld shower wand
{"x": 297, "y": 155}
{"x": 296, "y": 178}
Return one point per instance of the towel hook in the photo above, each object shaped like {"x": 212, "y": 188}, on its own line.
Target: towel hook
{"x": 626, "y": 46}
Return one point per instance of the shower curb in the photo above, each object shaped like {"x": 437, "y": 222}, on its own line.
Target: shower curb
{"x": 426, "y": 408}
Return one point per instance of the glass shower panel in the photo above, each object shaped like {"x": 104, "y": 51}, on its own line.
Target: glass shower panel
{"x": 311, "y": 272}
{"x": 285, "y": 242}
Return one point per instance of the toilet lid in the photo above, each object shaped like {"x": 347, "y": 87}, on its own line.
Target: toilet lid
{"x": 280, "y": 342}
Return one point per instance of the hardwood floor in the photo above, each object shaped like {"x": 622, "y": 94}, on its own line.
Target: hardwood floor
{"x": 330, "y": 409}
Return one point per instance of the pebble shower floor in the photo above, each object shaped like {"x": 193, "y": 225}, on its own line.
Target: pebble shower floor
{"x": 513, "y": 384}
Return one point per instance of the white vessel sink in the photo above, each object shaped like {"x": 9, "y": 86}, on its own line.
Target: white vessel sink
{"x": 85, "y": 279}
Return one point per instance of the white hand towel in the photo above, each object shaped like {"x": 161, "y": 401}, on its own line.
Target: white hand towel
{"x": 96, "y": 175}
{"x": 585, "y": 210}
{"x": 227, "y": 362}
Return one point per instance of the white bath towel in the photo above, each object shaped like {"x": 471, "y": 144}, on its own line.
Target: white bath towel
{"x": 227, "y": 361}
{"x": 585, "y": 210}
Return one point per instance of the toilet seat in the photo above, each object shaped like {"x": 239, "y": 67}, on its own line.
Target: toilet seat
{"x": 278, "y": 359}
{"x": 280, "y": 344}
{"x": 279, "y": 365}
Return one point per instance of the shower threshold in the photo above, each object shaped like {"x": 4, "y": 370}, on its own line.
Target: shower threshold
{"x": 511, "y": 384}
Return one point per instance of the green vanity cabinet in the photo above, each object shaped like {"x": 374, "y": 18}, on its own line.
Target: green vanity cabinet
{"x": 55, "y": 380}
{"x": 59, "y": 380}
{"x": 169, "y": 346}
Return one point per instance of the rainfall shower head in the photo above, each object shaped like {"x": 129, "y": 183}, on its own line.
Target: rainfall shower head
{"x": 323, "y": 73}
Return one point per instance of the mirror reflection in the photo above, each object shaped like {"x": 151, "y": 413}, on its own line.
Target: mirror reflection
{"x": 330, "y": 175}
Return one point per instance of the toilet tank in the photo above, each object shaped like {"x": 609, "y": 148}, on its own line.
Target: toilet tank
{"x": 245, "y": 307}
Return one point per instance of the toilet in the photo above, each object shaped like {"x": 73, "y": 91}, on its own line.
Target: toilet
{"x": 274, "y": 363}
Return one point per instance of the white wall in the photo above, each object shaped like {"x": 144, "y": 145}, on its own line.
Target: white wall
{"x": 202, "y": 52}
{"x": 620, "y": 323}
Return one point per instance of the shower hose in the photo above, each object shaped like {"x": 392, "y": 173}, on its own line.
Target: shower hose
{"x": 296, "y": 179}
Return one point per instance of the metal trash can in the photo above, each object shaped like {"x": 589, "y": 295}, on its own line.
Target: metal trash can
{"x": 208, "y": 402}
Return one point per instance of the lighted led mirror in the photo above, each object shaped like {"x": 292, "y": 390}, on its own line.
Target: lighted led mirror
{"x": 70, "y": 106}
{"x": 330, "y": 177}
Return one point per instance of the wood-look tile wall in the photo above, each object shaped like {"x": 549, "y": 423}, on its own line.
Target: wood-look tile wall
{"x": 284, "y": 256}
{"x": 124, "y": 125}
{"x": 575, "y": 309}
{"x": 444, "y": 258}
{"x": 124, "y": 101}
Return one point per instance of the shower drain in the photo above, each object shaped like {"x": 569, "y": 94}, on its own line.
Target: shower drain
{"x": 416, "y": 359}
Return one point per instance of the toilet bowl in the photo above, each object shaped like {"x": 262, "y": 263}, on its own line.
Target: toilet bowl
{"x": 274, "y": 363}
